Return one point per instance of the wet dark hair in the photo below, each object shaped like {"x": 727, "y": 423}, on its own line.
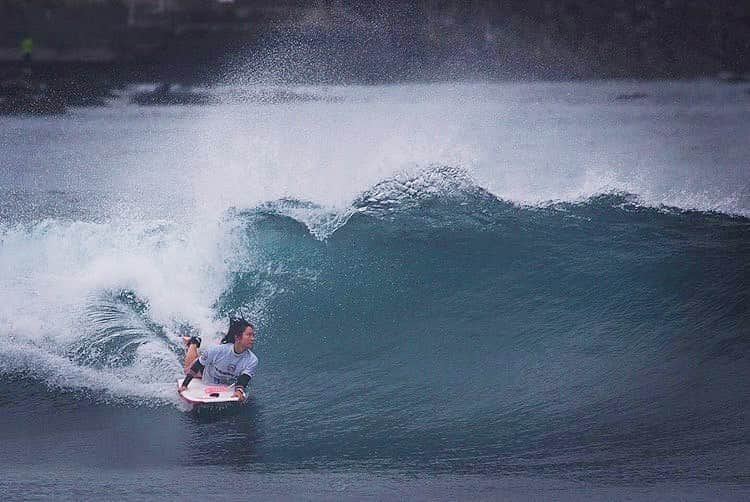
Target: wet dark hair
{"x": 236, "y": 328}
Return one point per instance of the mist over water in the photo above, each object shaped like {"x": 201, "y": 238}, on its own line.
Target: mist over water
{"x": 525, "y": 143}
{"x": 495, "y": 279}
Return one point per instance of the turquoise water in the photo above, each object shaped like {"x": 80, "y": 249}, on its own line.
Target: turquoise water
{"x": 460, "y": 290}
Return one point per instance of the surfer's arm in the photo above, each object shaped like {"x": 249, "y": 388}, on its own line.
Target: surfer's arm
{"x": 243, "y": 381}
{"x": 240, "y": 385}
{"x": 195, "y": 369}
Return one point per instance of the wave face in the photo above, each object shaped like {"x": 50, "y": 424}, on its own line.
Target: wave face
{"x": 467, "y": 330}
{"x": 435, "y": 324}
{"x": 420, "y": 317}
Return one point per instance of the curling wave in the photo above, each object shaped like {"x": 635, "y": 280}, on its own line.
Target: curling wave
{"x": 430, "y": 321}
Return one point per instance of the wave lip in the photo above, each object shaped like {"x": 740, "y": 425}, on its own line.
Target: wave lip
{"x": 447, "y": 193}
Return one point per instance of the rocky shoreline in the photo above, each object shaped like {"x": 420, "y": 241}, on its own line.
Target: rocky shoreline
{"x": 53, "y": 90}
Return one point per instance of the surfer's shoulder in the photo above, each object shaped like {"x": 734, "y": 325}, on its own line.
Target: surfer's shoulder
{"x": 218, "y": 349}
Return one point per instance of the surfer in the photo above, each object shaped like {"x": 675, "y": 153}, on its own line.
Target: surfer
{"x": 229, "y": 363}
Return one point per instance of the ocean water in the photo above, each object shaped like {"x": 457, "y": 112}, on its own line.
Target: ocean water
{"x": 462, "y": 291}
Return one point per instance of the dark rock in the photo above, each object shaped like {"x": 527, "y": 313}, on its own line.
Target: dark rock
{"x": 84, "y": 93}
{"x": 31, "y": 105}
{"x": 630, "y": 96}
{"x": 165, "y": 96}
{"x": 277, "y": 95}
{"x": 23, "y": 97}
{"x": 730, "y": 77}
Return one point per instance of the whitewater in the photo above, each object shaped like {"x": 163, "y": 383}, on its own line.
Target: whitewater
{"x": 459, "y": 288}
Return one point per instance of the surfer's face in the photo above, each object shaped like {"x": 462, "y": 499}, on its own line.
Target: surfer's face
{"x": 247, "y": 339}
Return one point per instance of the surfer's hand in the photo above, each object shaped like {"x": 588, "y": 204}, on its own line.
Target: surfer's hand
{"x": 183, "y": 388}
{"x": 239, "y": 395}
